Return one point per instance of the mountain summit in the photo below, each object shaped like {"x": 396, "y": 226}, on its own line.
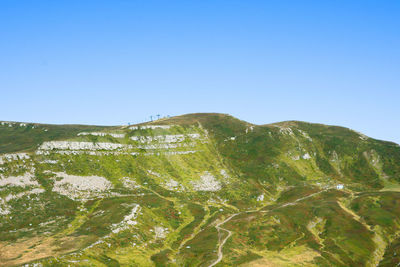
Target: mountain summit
{"x": 197, "y": 190}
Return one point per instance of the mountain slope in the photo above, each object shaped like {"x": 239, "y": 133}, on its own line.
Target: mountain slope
{"x": 197, "y": 190}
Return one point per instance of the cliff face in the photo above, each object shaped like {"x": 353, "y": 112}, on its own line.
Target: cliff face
{"x": 197, "y": 190}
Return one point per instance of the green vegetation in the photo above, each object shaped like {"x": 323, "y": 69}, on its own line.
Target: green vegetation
{"x": 202, "y": 189}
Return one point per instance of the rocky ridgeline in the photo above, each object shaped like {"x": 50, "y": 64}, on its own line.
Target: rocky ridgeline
{"x": 114, "y": 195}
{"x": 146, "y": 142}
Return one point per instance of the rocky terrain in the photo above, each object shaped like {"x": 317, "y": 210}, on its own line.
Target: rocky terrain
{"x": 197, "y": 190}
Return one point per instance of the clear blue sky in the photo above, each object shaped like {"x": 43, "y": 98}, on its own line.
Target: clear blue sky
{"x": 118, "y": 61}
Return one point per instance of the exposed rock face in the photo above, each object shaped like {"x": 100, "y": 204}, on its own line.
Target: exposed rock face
{"x": 80, "y": 187}
{"x": 4, "y": 206}
{"x": 23, "y": 180}
{"x": 115, "y": 135}
{"x": 286, "y": 131}
{"x": 153, "y": 127}
{"x": 49, "y": 161}
{"x": 4, "y": 211}
{"x": 81, "y": 145}
{"x": 160, "y": 232}
{"x": 207, "y": 182}
{"x": 14, "y": 156}
{"x": 147, "y": 142}
{"x": 169, "y": 138}
{"x": 264, "y": 189}
{"x": 305, "y": 135}
{"x": 224, "y": 174}
{"x": 129, "y": 220}
{"x": 164, "y": 146}
{"x": 174, "y": 186}
{"x": 22, "y": 194}
{"x": 130, "y": 183}
{"x": 179, "y": 152}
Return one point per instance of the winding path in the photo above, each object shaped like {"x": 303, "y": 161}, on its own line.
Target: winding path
{"x": 219, "y": 228}
{"x": 221, "y": 244}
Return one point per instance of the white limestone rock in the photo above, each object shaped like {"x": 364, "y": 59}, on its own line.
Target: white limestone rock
{"x": 153, "y": 127}
{"x": 173, "y": 185}
{"x": 224, "y": 174}
{"x": 339, "y": 186}
{"x": 71, "y": 145}
{"x": 49, "y": 161}
{"x": 207, "y": 182}
{"x": 179, "y": 152}
{"x": 26, "y": 179}
{"x": 4, "y": 210}
{"x": 80, "y": 187}
{"x": 129, "y": 220}
{"x": 115, "y": 135}
{"x": 249, "y": 129}
{"x": 286, "y": 130}
{"x": 13, "y": 156}
{"x": 168, "y": 138}
{"x": 160, "y": 232}
{"x": 305, "y": 135}
{"x": 130, "y": 183}
{"x": 22, "y": 194}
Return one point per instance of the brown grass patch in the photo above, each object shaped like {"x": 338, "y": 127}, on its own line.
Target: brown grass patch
{"x": 296, "y": 256}
{"x": 27, "y": 250}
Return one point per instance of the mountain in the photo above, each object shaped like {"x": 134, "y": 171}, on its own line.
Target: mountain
{"x": 197, "y": 190}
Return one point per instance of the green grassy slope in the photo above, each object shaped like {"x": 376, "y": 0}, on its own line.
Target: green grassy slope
{"x": 15, "y": 136}
{"x": 201, "y": 190}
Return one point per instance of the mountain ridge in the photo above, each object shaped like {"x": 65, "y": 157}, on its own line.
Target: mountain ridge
{"x": 197, "y": 117}
{"x": 197, "y": 190}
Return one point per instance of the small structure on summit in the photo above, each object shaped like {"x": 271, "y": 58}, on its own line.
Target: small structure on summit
{"x": 340, "y": 186}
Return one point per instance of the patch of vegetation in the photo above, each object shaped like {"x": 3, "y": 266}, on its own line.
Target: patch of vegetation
{"x": 303, "y": 194}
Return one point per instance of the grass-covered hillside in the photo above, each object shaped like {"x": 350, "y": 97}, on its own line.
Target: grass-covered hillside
{"x": 197, "y": 190}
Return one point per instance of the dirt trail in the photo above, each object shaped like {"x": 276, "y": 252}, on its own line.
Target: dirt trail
{"x": 296, "y": 201}
{"x": 222, "y": 243}
{"x": 219, "y": 228}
